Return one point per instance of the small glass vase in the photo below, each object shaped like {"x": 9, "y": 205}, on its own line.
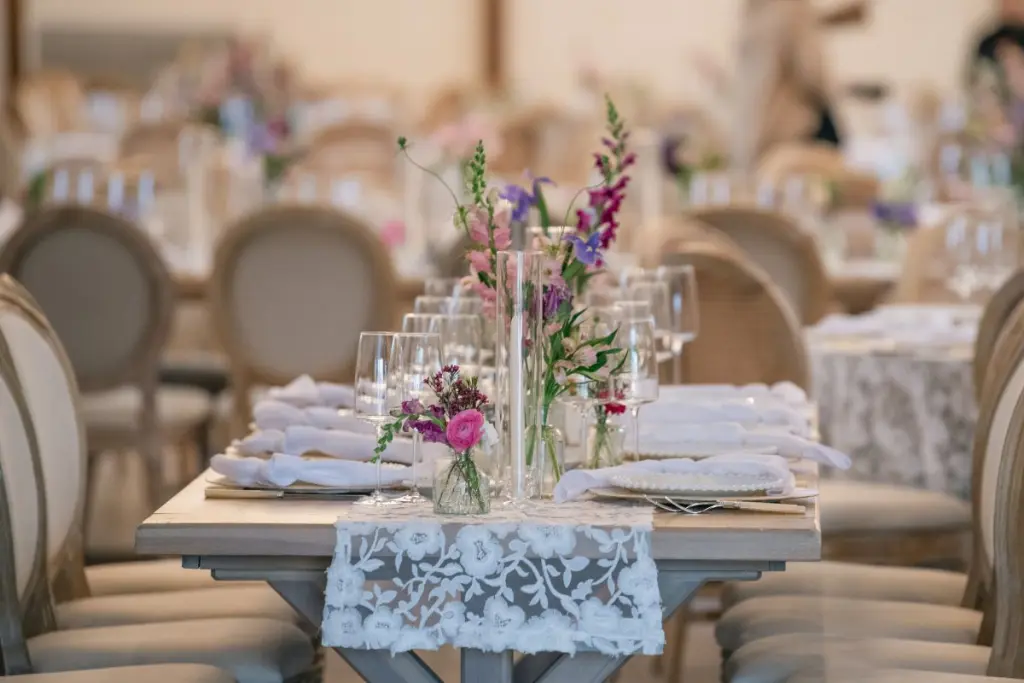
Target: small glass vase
{"x": 548, "y": 462}
{"x": 606, "y": 442}
{"x": 459, "y": 487}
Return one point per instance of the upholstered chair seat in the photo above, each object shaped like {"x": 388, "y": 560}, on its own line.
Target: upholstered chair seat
{"x": 150, "y": 576}
{"x": 252, "y": 650}
{"x": 778, "y": 658}
{"x": 778, "y": 614}
{"x": 851, "y": 580}
{"x": 163, "y": 673}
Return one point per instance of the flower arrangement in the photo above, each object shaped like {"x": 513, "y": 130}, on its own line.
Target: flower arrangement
{"x": 571, "y": 259}
{"x": 245, "y": 75}
{"x": 456, "y": 419}
{"x": 682, "y": 160}
{"x": 603, "y": 450}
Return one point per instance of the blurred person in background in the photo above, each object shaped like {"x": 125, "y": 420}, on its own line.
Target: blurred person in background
{"x": 781, "y": 93}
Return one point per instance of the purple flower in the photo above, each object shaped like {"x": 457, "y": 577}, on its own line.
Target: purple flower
{"x": 412, "y": 407}
{"x": 903, "y": 214}
{"x": 587, "y": 251}
{"x": 554, "y": 297}
{"x": 521, "y": 201}
{"x": 430, "y": 431}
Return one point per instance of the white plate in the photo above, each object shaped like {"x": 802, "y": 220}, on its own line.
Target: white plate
{"x": 622, "y": 494}
{"x": 697, "y": 484}
{"x": 220, "y": 480}
{"x": 696, "y": 449}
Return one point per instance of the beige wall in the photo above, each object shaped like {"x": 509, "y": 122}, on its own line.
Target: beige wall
{"x": 421, "y": 44}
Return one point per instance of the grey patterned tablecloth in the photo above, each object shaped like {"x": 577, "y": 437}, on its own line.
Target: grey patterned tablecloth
{"x": 904, "y": 416}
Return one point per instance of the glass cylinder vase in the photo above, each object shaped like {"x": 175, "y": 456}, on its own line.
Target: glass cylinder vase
{"x": 606, "y": 441}
{"x": 460, "y": 488}
{"x": 518, "y": 363}
{"x": 548, "y": 462}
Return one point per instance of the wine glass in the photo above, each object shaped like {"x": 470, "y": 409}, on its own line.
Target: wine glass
{"x": 448, "y": 286}
{"x": 636, "y": 381}
{"x": 417, "y": 357}
{"x": 682, "y": 287}
{"x": 448, "y": 305}
{"x": 461, "y": 337}
{"x": 656, "y": 294}
{"x": 982, "y": 253}
{"x": 376, "y": 391}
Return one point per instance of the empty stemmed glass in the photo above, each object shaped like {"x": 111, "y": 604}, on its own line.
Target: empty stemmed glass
{"x": 461, "y": 337}
{"x": 982, "y": 252}
{"x": 417, "y": 356}
{"x": 447, "y": 286}
{"x": 376, "y": 391}
{"x": 635, "y": 383}
{"x": 682, "y": 287}
{"x": 656, "y": 295}
{"x": 448, "y": 305}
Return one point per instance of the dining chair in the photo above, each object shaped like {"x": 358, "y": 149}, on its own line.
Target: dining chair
{"x": 851, "y": 189}
{"x": 49, "y": 102}
{"x": 106, "y": 291}
{"x": 748, "y": 333}
{"x": 10, "y": 158}
{"x": 251, "y": 648}
{"x": 765, "y": 637}
{"x": 292, "y": 288}
{"x": 993, "y": 320}
{"x": 356, "y": 147}
{"x": 782, "y": 249}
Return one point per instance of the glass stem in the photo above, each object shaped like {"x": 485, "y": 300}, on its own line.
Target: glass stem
{"x": 380, "y": 461}
{"x": 415, "y": 462}
{"x": 584, "y": 418}
{"x": 635, "y": 413}
{"x": 677, "y": 366}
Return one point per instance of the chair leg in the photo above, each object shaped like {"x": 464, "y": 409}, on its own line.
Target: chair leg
{"x": 677, "y": 645}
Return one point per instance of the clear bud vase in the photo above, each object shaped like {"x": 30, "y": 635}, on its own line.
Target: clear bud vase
{"x": 460, "y": 488}
{"x": 518, "y": 363}
{"x": 548, "y": 463}
{"x": 606, "y": 441}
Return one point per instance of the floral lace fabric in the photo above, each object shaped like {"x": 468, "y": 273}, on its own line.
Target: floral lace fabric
{"x": 547, "y": 578}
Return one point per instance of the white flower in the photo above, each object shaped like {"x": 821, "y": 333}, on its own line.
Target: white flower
{"x": 419, "y": 540}
{"x": 347, "y": 582}
{"x": 382, "y": 628}
{"x": 548, "y": 541}
{"x": 502, "y": 618}
{"x": 552, "y": 631}
{"x": 343, "y": 626}
{"x": 488, "y": 437}
{"x": 600, "y": 620}
{"x": 480, "y": 552}
{"x": 453, "y": 616}
{"x": 641, "y": 584}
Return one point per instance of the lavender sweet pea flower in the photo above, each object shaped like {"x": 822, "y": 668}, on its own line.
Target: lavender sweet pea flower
{"x": 536, "y": 182}
{"x": 903, "y": 214}
{"x": 412, "y": 407}
{"x": 587, "y": 251}
{"x": 554, "y": 297}
{"x": 430, "y": 431}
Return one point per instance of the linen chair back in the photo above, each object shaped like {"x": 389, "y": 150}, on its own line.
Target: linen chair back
{"x": 51, "y": 394}
{"x": 1007, "y": 536}
{"x": 359, "y": 148}
{"x": 292, "y": 288}
{"x": 996, "y": 314}
{"x": 748, "y": 332}
{"x": 779, "y": 247}
{"x": 851, "y": 189}
{"x": 103, "y": 287}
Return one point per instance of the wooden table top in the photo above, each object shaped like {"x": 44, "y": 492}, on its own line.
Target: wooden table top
{"x": 191, "y": 525}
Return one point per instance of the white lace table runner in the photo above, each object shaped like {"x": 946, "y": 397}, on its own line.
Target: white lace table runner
{"x": 550, "y": 578}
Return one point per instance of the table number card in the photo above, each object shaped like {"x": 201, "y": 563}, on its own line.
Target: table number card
{"x": 532, "y": 580}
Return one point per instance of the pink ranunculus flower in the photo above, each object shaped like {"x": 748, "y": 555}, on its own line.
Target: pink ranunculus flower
{"x": 464, "y": 430}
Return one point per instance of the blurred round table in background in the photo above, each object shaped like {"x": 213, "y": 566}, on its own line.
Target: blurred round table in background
{"x": 903, "y": 409}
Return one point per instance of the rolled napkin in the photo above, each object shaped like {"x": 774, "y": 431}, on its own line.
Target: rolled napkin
{"x": 275, "y": 414}
{"x": 304, "y": 440}
{"x": 284, "y": 470}
{"x": 304, "y": 392}
{"x": 575, "y": 483}
{"x": 733, "y": 437}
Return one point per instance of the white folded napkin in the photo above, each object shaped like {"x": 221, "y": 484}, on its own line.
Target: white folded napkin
{"x": 304, "y": 392}
{"x": 667, "y": 412}
{"x": 734, "y": 437}
{"x": 276, "y": 414}
{"x": 284, "y": 470}
{"x": 784, "y": 392}
{"x": 575, "y": 483}
{"x": 305, "y": 439}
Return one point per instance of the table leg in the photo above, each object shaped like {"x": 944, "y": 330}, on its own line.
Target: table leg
{"x": 486, "y": 667}
{"x": 374, "y": 666}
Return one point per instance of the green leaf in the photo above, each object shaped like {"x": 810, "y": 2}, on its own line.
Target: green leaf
{"x": 542, "y": 210}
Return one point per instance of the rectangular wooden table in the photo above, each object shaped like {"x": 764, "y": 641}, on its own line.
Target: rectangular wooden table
{"x": 289, "y": 544}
